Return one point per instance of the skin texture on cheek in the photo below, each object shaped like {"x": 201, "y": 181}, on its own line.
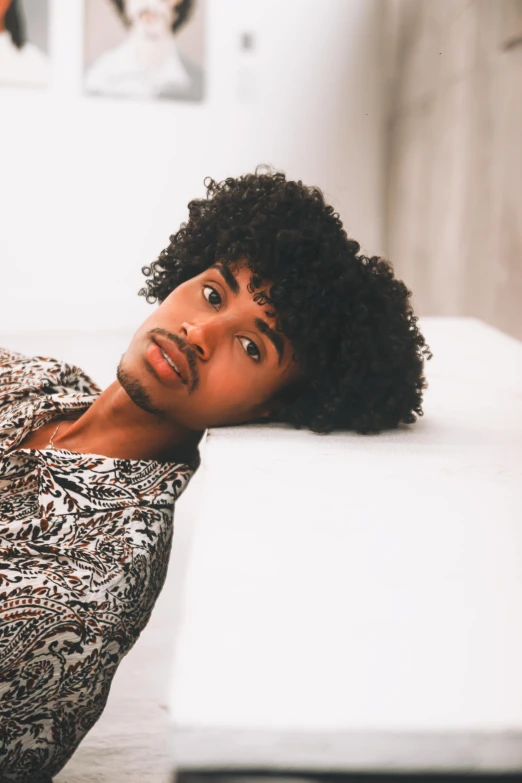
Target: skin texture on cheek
{"x": 232, "y": 402}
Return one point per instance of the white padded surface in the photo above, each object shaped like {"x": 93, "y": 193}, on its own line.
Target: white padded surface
{"x": 97, "y": 353}
{"x": 355, "y": 602}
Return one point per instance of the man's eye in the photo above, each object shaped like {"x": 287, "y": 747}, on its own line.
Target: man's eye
{"x": 251, "y": 350}
{"x": 255, "y": 354}
{"x": 213, "y": 291}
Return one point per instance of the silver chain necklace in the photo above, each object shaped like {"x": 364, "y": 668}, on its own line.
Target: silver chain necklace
{"x": 52, "y": 436}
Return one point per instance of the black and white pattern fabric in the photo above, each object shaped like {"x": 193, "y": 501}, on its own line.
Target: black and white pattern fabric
{"x": 84, "y": 548}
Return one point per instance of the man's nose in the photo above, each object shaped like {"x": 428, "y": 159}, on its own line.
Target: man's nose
{"x": 201, "y": 337}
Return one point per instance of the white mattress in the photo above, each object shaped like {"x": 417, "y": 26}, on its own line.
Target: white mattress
{"x": 355, "y": 602}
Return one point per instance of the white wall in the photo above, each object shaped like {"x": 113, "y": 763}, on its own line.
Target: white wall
{"x": 91, "y": 188}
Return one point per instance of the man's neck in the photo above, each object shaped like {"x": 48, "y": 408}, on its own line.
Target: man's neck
{"x": 116, "y": 427}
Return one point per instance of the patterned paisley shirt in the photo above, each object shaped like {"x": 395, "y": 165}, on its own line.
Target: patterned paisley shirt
{"x": 84, "y": 548}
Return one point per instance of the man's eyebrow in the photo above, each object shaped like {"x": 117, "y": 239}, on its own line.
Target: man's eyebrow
{"x": 230, "y": 280}
{"x": 275, "y": 338}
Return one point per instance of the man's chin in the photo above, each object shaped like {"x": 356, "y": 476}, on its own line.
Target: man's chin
{"x": 135, "y": 389}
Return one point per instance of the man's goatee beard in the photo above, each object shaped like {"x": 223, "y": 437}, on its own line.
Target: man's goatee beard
{"x": 135, "y": 390}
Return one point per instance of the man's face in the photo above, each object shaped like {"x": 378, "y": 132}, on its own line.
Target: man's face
{"x": 152, "y": 17}
{"x": 219, "y": 338}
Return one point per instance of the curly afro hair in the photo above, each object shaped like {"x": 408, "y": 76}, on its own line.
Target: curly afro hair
{"x": 183, "y": 10}
{"x": 348, "y": 319}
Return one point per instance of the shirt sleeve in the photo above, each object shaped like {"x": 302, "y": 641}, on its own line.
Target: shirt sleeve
{"x": 8, "y": 357}
{"x": 11, "y": 364}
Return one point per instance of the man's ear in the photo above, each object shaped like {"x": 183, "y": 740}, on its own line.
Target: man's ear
{"x": 267, "y": 409}
{"x": 281, "y": 399}
{"x": 262, "y": 416}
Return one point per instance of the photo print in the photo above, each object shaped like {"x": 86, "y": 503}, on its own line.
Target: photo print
{"x": 145, "y": 48}
{"x": 24, "y": 43}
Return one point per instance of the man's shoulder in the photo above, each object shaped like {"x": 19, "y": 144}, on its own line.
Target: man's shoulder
{"x": 6, "y": 356}
{"x": 19, "y": 371}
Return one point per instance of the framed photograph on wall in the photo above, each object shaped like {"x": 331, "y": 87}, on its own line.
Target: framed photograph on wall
{"x": 24, "y": 43}
{"x": 152, "y": 49}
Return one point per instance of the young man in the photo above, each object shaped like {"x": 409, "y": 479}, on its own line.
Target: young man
{"x": 267, "y": 313}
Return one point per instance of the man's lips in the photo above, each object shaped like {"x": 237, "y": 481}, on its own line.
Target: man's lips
{"x": 175, "y": 354}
